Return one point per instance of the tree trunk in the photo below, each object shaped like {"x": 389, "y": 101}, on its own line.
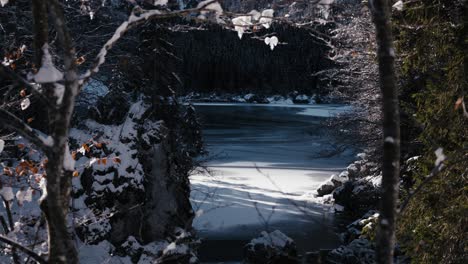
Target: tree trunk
{"x": 41, "y": 29}
{"x": 391, "y": 131}
{"x": 55, "y": 205}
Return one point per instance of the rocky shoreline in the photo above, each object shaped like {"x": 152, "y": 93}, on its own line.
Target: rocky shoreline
{"x": 354, "y": 194}
{"x": 289, "y": 99}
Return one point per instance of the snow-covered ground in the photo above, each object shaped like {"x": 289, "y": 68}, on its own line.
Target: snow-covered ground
{"x": 264, "y": 163}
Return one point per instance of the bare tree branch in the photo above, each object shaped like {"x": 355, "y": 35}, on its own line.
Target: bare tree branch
{"x": 137, "y": 17}
{"x": 9, "y": 73}
{"x": 4, "y": 224}
{"x": 9, "y": 120}
{"x": 434, "y": 172}
{"x": 26, "y": 250}
{"x": 7, "y": 206}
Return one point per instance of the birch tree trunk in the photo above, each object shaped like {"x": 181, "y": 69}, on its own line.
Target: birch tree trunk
{"x": 391, "y": 131}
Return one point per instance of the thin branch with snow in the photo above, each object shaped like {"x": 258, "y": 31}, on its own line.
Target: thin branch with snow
{"x": 6, "y": 72}
{"x": 9, "y": 120}
{"x": 137, "y": 17}
{"x": 26, "y": 250}
{"x": 441, "y": 163}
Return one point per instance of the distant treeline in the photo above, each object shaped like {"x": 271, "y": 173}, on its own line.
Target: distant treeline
{"x": 216, "y": 60}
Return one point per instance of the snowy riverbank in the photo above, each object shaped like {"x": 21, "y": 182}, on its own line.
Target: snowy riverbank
{"x": 264, "y": 162}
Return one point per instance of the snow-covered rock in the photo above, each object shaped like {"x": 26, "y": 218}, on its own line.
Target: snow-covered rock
{"x": 357, "y": 196}
{"x": 359, "y": 251}
{"x": 375, "y": 180}
{"x": 331, "y": 184}
{"x": 249, "y": 96}
{"x": 278, "y": 99}
{"x": 326, "y": 188}
{"x": 132, "y": 164}
{"x": 355, "y": 229}
{"x": 315, "y": 257}
{"x": 337, "y": 208}
{"x": 238, "y": 99}
{"x": 342, "y": 177}
{"x": 255, "y": 98}
{"x": 274, "y": 247}
{"x": 362, "y": 155}
{"x": 353, "y": 170}
{"x": 301, "y": 99}
{"x": 162, "y": 251}
{"x": 359, "y": 246}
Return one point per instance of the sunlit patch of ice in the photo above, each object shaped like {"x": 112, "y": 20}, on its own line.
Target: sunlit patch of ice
{"x": 325, "y": 112}
{"x": 239, "y": 190}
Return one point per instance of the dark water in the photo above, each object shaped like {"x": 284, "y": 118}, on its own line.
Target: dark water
{"x": 264, "y": 160}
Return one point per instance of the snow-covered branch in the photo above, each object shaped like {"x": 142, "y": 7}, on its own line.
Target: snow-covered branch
{"x": 9, "y": 120}
{"x": 26, "y": 250}
{"x": 137, "y": 17}
{"x": 439, "y": 165}
{"x": 8, "y": 73}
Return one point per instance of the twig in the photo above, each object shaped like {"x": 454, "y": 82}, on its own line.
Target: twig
{"x": 4, "y": 224}
{"x": 26, "y": 250}
{"x": 9, "y": 120}
{"x": 266, "y": 221}
{"x": 10, "y": 221}
{"x": 36, "y": 237}
{"x": 296, "y": 205}
{"x": 7, "y": 72}
{"x": 434, "y": 172}
{"x": 133, "y": 21}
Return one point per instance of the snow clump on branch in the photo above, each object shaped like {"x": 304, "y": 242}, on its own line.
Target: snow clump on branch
{"x": 243, "y": 23}
{"x": 47, "y": 73}
{"x": 208, "y": 8}
{"x": 272, "y": 42}
{"x": 3, "y": 2}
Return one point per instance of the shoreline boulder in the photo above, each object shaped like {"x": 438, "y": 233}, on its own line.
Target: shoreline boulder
{"x": 274, "y": 247}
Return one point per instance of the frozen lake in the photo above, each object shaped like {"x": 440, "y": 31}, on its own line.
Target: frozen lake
{"x": 263, "y": 162}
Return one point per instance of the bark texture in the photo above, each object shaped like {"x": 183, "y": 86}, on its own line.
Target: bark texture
{"x": 40, "y": 27}
{"x": 391, "y": 131}
{"x": 55, "y": 204}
